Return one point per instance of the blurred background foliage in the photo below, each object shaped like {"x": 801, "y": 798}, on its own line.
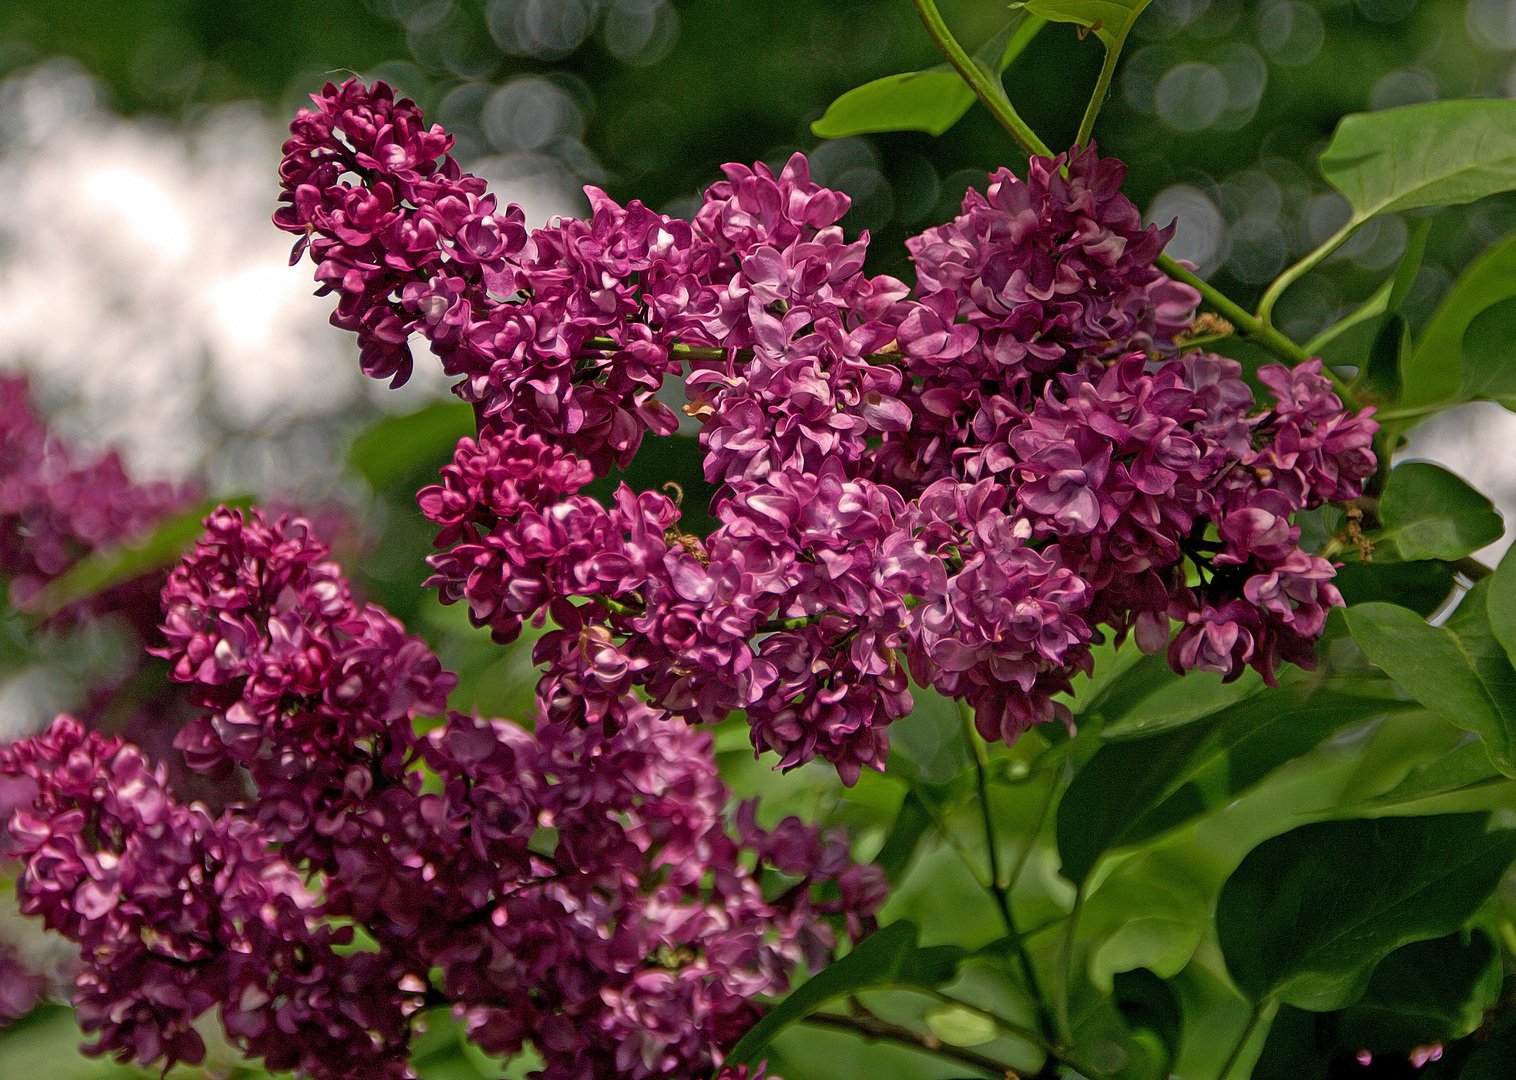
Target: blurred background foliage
{"x": 1220, "y": 109}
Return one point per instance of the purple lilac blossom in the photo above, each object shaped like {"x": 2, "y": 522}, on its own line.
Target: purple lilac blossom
{"x": 586, "y": 893}
{"x": 971, "y": 478}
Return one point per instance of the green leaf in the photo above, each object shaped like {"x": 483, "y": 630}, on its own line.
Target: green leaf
{"x": 1434, "y": 371}
{"x": 1373, "y": 308}
{"x": 1500, "y": 602}
{"x": 1307, "y": 915}
{"x": 889, "y": 957}
{"x": 1457, "y": 670}
{"x": 1409, "y": 265}
{"x": 1428, "y": 513}
{"x": 1492, "y": 1059}
{"x": 1149, "y": 1003}
{"x": 1293, "y": 1049}
{"x": 1464, "y": 769}
{"x": 911, "y": 824}
{"x": 103, "y": 569}
{"x": 1136, "y": 789}
{"x": 1110, "y": 20}
{"x": 1423, "y": 993}
{"x": 1381, "y": 374}
{"x": 1489, "y": 356}
{"x": 1149, "y": 913}
{"x": 1421, "y": 586}
{"x": 957, "y": 1025}
{"x": 1438, "y": 153}
{"x": 397, "y": 448}
{"x": 932, "y": 100}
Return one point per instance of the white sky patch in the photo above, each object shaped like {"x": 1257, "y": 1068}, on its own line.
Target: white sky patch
{"x": 150, "y": 295}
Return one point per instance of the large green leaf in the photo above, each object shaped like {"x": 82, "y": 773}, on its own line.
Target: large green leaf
{"x": 889, "y": 957}
{"x": 932, "y": 100}
{"x": 108, "y": 567}
{"x": 1138, "y": 788}
{"x": 1500, "y": 600}
{"x": 1110, "y": 20}
{"x": 1426, "y": 992}
{"x": 1307, "y": 915}
{"x": 1438, "y": 153}
{"x": 1434, "y": 371}
{"x": 1489, "y": 356}
{"x": 1457, "y": 670}
{"x": 1428, "y": 513}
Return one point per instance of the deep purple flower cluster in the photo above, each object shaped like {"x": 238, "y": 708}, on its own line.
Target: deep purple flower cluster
{"x": 59, "y": 504}
{"x": 971, "y": 479}
{"x": 582, "y": 894}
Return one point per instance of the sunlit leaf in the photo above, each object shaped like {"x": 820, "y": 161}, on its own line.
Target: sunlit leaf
{"x": 1437, "y": 153}
{"x": 932, "y": 100}
{"x": 1110, "y": 20}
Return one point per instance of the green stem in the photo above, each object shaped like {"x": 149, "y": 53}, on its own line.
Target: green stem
{"x": 682, "y": 352}
{"x": 1001, "y": 892}
{"x": 1065, "y": 968}
{"x": 1236, "y": 314}
{"x": 1058, "y": 1053}
{"x": 1294, "y": 273}
{"x": 1102, "y": 87}
{"x": 1242, "y": 1040}
{"x": 988, "y": 91}
{"x": 1414, "y": 413}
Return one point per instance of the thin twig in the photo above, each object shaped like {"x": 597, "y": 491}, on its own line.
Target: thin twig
{"x": 873, "y": 1028}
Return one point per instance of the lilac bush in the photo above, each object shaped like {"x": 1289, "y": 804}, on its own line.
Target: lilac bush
{"x": 1033, "y": 482}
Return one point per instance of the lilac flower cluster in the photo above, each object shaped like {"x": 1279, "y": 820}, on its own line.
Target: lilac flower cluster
{"x": 581, "y": 894}
{"x": 970, "y": 480}
{"x": 59, "y": 504}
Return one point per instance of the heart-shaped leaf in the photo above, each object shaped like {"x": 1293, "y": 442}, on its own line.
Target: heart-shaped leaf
{"x": 1308, "y": 915}
{"x": 1428, "y": 513}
